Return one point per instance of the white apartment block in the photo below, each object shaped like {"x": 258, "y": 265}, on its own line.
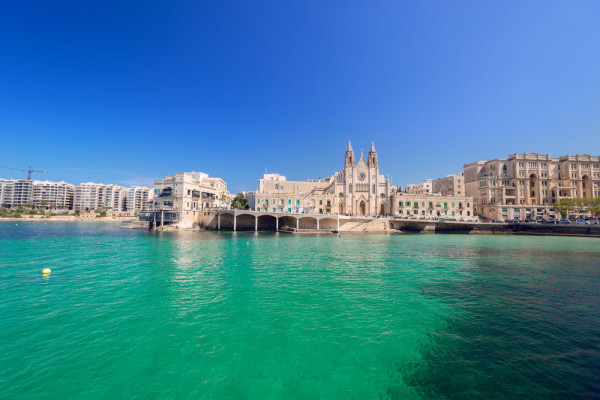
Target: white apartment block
{"x": 138, "y": 198}
{"x": 527, "y": 185}
{"x": 181, "y": 197}
{"x": 40, "y": 194}
{"x": 91, "y": 196}
{"x": 115, "y": 198}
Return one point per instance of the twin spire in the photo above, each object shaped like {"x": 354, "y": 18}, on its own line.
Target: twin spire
{"x": 372, "y": 156}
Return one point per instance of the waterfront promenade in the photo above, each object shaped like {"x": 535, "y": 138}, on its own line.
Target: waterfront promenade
{"x": 247, "y": 220}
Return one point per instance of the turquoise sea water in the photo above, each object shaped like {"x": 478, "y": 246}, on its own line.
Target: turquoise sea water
{"x": 268, "y": 316}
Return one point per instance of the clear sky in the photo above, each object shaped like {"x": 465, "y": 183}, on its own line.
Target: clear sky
{"x": 127, "y": 92}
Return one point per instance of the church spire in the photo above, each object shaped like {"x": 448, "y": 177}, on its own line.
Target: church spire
{"x": 349, "y": 156}
{"x": 372, "y": 156}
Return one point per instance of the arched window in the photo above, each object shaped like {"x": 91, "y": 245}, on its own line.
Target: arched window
{"x": 373, "y": 188}
{"x": 350, "y": 188}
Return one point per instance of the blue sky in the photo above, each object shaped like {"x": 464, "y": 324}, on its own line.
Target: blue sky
{"x": 126, "y": 92}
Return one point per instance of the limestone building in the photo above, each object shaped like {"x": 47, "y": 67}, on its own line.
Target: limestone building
{"x": 428, "y": 206}
{"x": 527, "y": 185}
{"x": 425, "y": 187}
{"x": 451, "y": 185}
{"x": 181, "y": 197}
{"x": 358, "y": 189}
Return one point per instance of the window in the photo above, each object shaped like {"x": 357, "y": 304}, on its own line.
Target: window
{"x": 274, "y": 209}
{"x": 289, "y": 201}
{"x": 452, "y": 204}
{"x": 399, "y": 204}
{"x": 408, "y": 204}
{"x": 373, "y": 188}
{"x": 320, "y": 202}
{"x": 297, "y": 202}
{"x": 445, "y": 205}
{"x": 257, "y": 201}
{"x": 328, "y": 203}
{"x": 468, "y": 205}
{"x": 281, "y": 201}
{"x": 289, "y": 210}
{"x": 350, "y": 188}
{"x": 257, "y": 208}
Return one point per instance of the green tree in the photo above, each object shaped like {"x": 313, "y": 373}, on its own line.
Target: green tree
{"x": 239, "y": 202}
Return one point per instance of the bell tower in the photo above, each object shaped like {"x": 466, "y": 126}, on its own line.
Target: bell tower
{"x": 372, "y": 157}
{"x": 349, "y": 156}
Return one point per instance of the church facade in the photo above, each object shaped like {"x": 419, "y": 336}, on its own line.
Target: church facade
{"x": 358, "y": 189}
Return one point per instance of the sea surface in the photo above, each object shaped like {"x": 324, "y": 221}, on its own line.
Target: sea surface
{"x": 206, "y": 315}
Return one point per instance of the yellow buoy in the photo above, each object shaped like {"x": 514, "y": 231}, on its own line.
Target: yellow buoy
{"x": 46, "y": 271}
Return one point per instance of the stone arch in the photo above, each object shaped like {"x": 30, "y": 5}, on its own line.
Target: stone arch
{"x": 227, "y": 222}
{"x": 327, "y": 224}
{"x": 267, "y": 223}
{"x": 382, "y": 209}
{"x": 341, "y": 208}
{"x": 244, "y": 222}
{"x": 362, "y": 208}
{"x": 287, "y": 222}
{"x": 307, "y": 223}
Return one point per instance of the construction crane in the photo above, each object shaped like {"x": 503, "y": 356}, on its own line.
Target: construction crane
{"x": 29, "y": 171}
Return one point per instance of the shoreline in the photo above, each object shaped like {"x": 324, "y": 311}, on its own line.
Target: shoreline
{"x": 69, "y": 219}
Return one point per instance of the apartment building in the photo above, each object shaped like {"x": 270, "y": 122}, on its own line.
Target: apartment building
{"x": 527, "y": 185}
{"x": 425, "y": 187}
{"x": 451, "y": 185}
{"x": 6, "y": 192}
{"x": 53, "y": 195}
{"x": 138, "y": 199}
{"x": 31, "y": 193}
{"x": 115, "y": 198}
{"x": 430, "y": 206}
{"x": 181, "y": 197}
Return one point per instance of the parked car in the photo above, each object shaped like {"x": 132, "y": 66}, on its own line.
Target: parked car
{"x": 582, "y": 222}
{"x": 564, "y": 221}
{"x": 552, "y": 221}
{"x": 442, "y": 220}
{"x": 530, "y": 221}
{"x": 498, "y": 221}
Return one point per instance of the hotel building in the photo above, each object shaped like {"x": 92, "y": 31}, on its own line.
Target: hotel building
{"x": 527, "y": 185}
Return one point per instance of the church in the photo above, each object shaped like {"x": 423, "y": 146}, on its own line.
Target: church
{"x": 357, "y": 190}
